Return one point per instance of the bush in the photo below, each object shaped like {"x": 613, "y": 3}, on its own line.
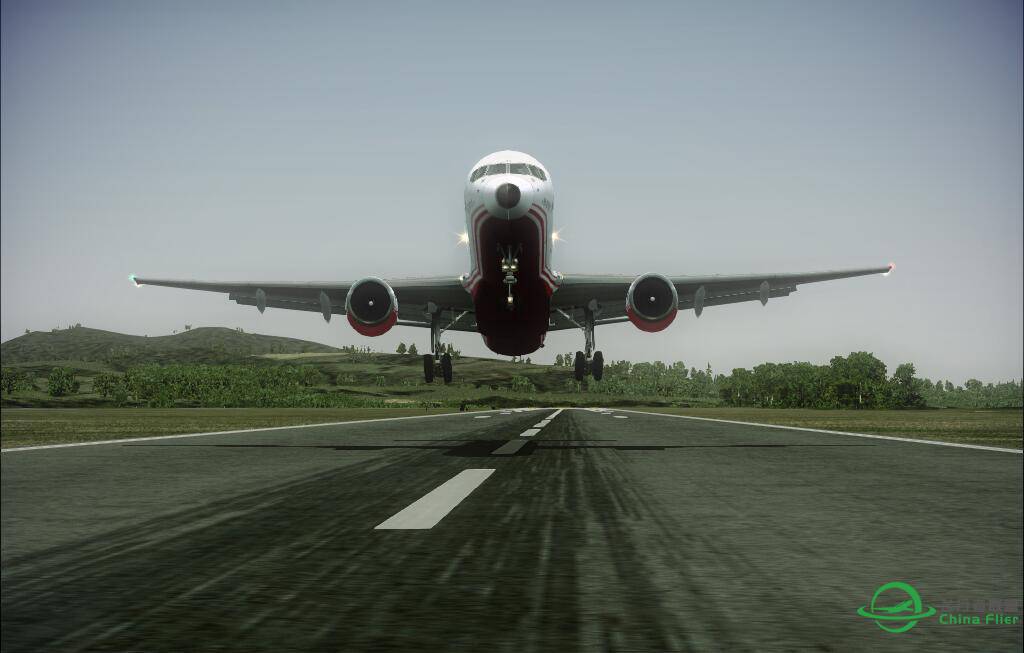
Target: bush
{"x": 522, "y": 384}
{"x": 14, "y": 381}
{"x": 61, "y": 382}
{"x": 108, "y": 384}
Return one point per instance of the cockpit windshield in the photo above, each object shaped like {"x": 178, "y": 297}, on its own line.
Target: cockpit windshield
{"x": 508, "y": 168}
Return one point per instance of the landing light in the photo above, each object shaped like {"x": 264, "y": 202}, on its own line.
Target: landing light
{"x": 555, "y": 237}
{"x": 464, "y": 238}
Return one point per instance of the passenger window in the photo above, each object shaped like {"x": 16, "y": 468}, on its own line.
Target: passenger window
{"x": 538, "y": 173}
{"x": 519, "y": 169}
{"x": 497, "y": 169}
{"x": 479, "y": 172}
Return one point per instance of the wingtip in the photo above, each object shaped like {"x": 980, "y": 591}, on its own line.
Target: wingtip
{"x": 892, "y": 266}
{"x": 131, "y": 277}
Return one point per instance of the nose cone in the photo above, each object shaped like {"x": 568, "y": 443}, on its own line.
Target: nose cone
{"x": 508, "y": 196}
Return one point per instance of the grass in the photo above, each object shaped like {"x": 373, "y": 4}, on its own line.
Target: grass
{"x": 20, "y": 427}
{"x": 996, "y": 428}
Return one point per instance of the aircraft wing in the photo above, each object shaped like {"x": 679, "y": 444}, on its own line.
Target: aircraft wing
{"x": 609, "y": 291}
{"x": 328, "y": 298}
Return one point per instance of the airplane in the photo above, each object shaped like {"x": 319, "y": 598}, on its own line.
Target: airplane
{"x": 511, "y": 295}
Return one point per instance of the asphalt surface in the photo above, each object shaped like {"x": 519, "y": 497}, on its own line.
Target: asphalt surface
{"x": 603, "y": 531}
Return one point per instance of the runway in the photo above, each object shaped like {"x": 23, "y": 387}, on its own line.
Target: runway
{"x": 541, "y": 530}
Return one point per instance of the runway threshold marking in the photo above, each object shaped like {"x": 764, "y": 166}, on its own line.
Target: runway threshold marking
{"x": 958, "y": 445}
{"x": 433, "y": 506}
{"x": 233, "y": 432}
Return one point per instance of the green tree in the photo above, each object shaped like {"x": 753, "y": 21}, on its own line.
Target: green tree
{"x": 62, "y": 382}
{"x": 905, "y": 390}
{"x": 401, "y": 348}
{"x": 412, "y": 349}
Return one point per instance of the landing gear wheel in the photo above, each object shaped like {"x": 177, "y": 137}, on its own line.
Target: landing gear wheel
{"x": 446, "y": 368}
{"x": 428, "y": 368}
{"x": 597, "y": 366}
{"x": 580, "y": 366}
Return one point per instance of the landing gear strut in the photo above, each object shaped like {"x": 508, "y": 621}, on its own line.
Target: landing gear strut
{"x": 589, "y": 361}
{"x": 510, "y": 268}
{"x": 439, "y": 357}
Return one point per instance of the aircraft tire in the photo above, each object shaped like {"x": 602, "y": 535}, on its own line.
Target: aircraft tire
{"x": 597, "y": 366}
{"x": 580, "y": 366}
{"x": 428, "y": 368}
{"x": 446, "y": 368}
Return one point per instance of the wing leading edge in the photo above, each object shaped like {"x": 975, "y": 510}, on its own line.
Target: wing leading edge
{"x": 576, "y": 292}
{"x": 328, "y": 298}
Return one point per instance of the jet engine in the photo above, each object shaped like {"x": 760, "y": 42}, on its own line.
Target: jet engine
{"x": 651, "y": 302}
{"x": 371, "y": 306}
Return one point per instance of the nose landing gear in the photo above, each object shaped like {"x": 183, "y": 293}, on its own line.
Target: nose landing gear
{"x": 510, "y": 268}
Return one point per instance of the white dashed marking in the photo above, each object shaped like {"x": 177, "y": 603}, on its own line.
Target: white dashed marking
{"x": 510, "y": 448}
{"x": 432, "y": 507}
{"x": 529, "y": 433}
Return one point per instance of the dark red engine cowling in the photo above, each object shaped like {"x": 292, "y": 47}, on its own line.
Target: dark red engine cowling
{"x": 371, "y": 306}
{"x": 651, "y": 302}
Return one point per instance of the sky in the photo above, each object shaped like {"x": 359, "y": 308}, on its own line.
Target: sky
{"x": 330, "y": 141}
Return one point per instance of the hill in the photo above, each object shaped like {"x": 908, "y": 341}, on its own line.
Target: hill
{"x": 338, "y": 376}
{"x": 118, "y": 350}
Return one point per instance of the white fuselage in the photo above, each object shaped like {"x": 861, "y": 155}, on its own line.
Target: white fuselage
{"x": 509, "y": 201}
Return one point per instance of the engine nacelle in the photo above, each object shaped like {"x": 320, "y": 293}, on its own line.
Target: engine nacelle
{"x": 371, "y": 306}
{"x": 651, "y": 302}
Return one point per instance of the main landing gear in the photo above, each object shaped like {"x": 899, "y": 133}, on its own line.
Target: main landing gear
{"x": 439, "y": 357}
{"x": 432, "y": 362}
{"x": 589, "y": 361}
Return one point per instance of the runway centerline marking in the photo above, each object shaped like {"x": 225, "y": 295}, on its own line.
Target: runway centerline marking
{"x": 856, "y": 435}
{"x": 433, "y": 506}
{"x": 529, "y": 433}
{"x": 510, "y": 448}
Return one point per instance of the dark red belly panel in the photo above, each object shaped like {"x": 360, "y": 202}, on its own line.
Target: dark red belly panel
{"x": 520, "y": 330}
